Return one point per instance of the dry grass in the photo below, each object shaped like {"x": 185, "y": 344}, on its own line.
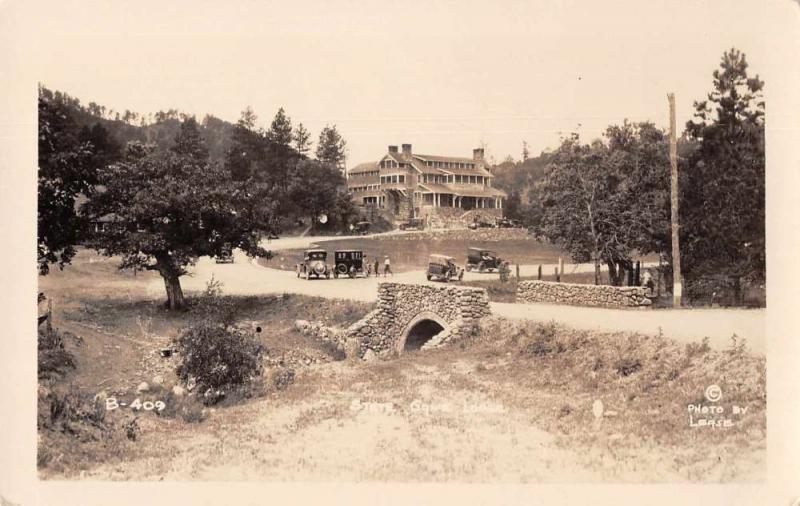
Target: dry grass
{"x": 426, "y": 416}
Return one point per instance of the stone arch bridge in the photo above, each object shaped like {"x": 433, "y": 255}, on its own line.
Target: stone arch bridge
{"x": 411, "y": 316}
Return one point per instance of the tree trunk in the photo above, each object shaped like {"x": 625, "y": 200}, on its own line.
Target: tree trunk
{"x": 596, "y": 270}
{"x": 175, "y": 298}
{"x": 613, "y": 276}
{"x": 171, "y": 273}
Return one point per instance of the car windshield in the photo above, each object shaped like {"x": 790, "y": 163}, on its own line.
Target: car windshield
{"x": 316, "y": 255}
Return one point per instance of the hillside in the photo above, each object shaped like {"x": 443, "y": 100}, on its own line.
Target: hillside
{"x": 159, "y": 128}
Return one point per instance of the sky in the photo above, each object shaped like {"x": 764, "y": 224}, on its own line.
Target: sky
{"x": 444, "y": 76}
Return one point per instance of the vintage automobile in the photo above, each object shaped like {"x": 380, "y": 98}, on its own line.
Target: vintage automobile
{"x": 348, "y": 262}
{"x": 443, "y": 268}
{"x": 314, "y": 264}
{"x": 507, "y": 223}
{"x": 475, "y": 225}
{"x": 225, "y": 256}
{"x": 362, "y": 227}
{"x": 413, "y": 224}
{"x": 482, "y": 259}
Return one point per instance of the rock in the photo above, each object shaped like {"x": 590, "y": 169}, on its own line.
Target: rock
{"x": 369, "y": 356}
{"x": 597, "y": 408}
{"x": 143, "y": 387}
{"x": 158, "y": 380}
{"x": 178, "y": 391}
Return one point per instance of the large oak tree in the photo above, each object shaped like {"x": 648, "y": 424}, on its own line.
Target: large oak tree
{"x": 169, "y": 209}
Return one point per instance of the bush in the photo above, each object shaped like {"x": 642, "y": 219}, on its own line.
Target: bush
{"x": 282, "y": 378}
{"x": 541, "y": 340}
{"x": 53, "y": 359}
{"x": 218, "y": 358}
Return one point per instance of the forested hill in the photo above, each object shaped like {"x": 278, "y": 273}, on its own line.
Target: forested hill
{"x": 519, "y": 177}
{"x": 159, "y": 128}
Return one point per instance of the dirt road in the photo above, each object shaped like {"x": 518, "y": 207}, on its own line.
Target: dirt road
{"x": 246, "y": 277}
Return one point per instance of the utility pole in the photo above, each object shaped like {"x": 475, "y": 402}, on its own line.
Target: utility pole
{"x": 676, "y": 250}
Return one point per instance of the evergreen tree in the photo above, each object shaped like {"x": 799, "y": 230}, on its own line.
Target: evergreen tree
{"x": 189, "y": 142}
{"x": 302, "y": 139}
{"x": 722, "y": 185}
{"x": 280, "y": 131}
{"x": 331, "y": 147}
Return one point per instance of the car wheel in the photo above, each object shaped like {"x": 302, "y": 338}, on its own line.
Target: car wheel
{"x": 429, "y": 277}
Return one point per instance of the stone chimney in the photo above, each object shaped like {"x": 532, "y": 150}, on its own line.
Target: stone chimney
{"x": 392, "y": 149}
{"x": 407, "y": 149}
{"x": 477, "y": 154}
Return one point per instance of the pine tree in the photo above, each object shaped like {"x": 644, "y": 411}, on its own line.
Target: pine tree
{"x": 722, "y": 191}
{"x": 189, "y": 142}
{"x": 302, "y": 139}
{"x": 331, "y": 147}
{"x": 280, "y": 131}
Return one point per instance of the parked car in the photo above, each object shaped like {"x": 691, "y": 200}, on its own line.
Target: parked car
{"x": 225, "y": 256}
{"x": 482, "y": 259}
{"x": 314, "y": 264}
{"x": 413, "y": 224}
{"x": 362, "y": 227}
{"x": 479, "y": 224}
{"x": 443, "y": 268}
{"x": 348, "y": 262}
{"x": 507, "y": 223}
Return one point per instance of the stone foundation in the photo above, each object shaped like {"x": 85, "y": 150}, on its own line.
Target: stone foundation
{"x": 402, "y": 306}
{"x": 582, "y": 295}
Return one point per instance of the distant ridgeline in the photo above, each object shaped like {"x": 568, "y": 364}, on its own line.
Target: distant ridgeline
{"x": 159, "y": 129}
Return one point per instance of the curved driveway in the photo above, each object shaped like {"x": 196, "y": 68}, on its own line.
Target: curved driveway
{"x": 246, "y": 277}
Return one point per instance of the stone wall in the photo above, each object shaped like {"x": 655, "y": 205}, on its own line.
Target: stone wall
{"x": 582, "y": 295}
{"x": 401, "y": 306}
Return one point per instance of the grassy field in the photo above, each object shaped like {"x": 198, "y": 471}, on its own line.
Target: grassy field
{"x": 514, "y": 404}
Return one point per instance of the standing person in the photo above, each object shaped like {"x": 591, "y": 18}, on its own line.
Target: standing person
{"x": 387, "y": 266}
{"x": 377, "y": 266}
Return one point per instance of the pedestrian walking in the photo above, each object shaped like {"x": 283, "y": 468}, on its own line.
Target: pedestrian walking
{"x": 377, "y": 266}
{"x": 387, "y": 266}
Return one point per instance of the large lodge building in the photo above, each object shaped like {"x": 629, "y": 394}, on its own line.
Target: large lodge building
{"x": 410, "y": 185}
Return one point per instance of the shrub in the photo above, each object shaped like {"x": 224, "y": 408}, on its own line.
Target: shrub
{"x": 541, "y": 340}
{"x": 627, "y": 366}
{"x": 218, "y": 358}
{"x": 282, "y": 378}
{"x": 53, "y": 359}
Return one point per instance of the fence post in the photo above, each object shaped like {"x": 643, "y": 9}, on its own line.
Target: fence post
{"x": 517, "y": 272}
{"x": 558, "y": 276}
{"x": 539, "y": 275}
{"x": 637, "y": 277}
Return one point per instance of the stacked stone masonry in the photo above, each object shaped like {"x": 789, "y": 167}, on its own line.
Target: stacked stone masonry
{"x": 583, "y": 295}
{"x": 401, "y": 306}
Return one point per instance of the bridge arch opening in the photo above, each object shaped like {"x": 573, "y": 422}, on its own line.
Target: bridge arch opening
{"x": 420, "y": 334}
{"x": 420, "y": 330}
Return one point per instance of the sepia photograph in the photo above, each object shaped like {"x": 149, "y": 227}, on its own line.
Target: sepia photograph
{"x": 399, "y": 243}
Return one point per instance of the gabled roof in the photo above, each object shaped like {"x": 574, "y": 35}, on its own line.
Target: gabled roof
{"x": 436, "y": 158}
{"x": 364, "y": 167}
